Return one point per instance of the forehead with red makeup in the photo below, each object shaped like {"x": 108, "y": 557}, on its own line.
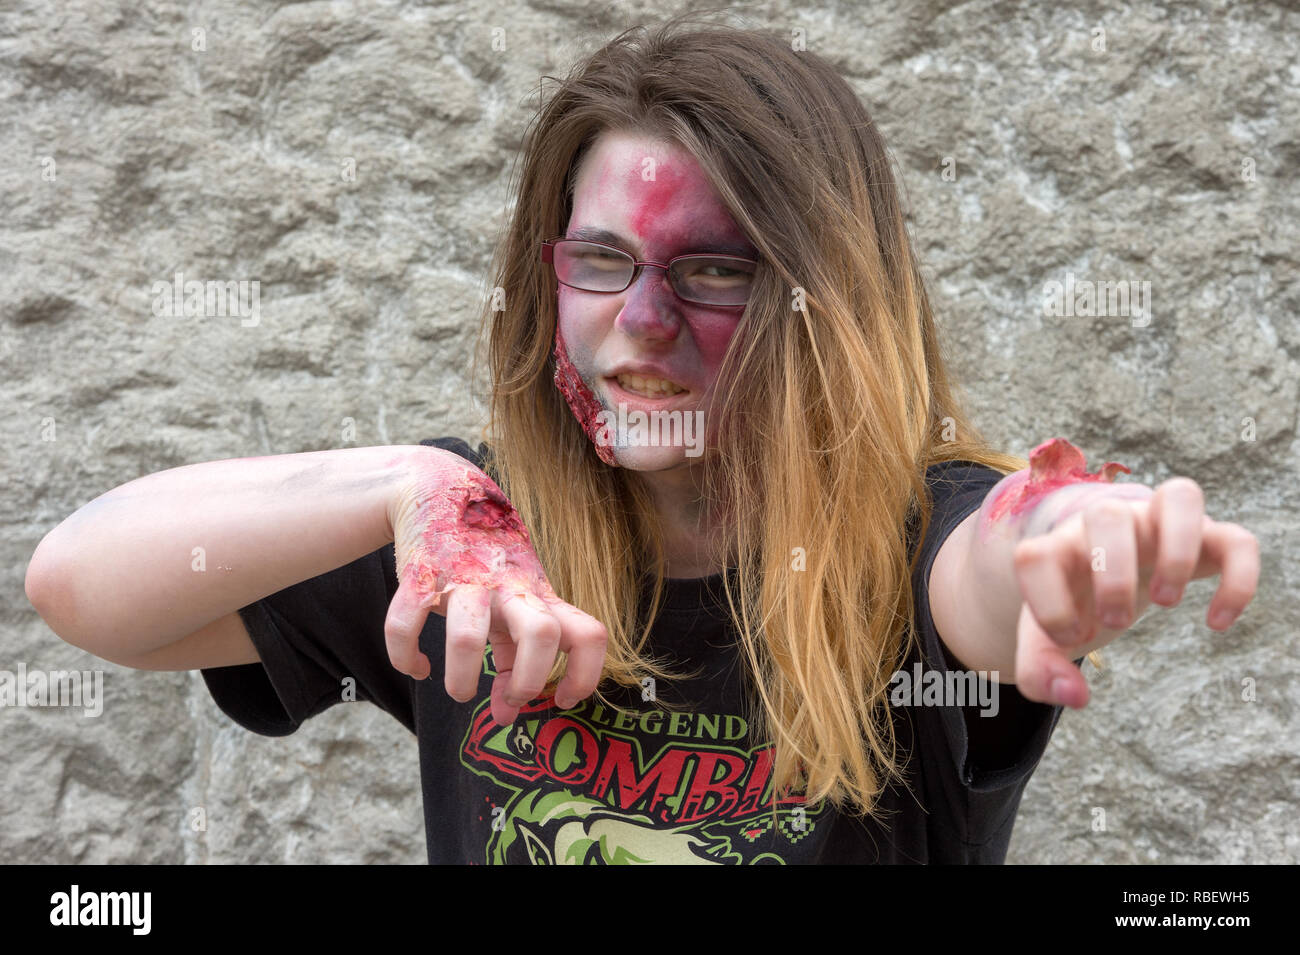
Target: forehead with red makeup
{"x": 656, "y": 195}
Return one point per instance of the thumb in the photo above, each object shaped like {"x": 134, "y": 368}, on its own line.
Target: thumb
{"x": 402, "y": 627}
{"x": 1044, "y": 671}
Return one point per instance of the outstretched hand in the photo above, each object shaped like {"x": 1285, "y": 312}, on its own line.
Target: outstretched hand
{"x": 1089, "y": 578}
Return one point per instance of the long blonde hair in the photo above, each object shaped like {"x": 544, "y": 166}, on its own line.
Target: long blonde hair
{"x": 834, "y": 394}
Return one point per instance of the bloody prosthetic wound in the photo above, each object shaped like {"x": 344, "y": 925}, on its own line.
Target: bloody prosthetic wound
{"x": 459, "y": 528}
{"x": 582, "y": 402}
{"x": 1054, "y": 464}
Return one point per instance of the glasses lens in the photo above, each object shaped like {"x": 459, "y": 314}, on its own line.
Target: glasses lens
{"x": 713, "y": 281}
{"x": 592, "y": 267}
{"x": 703, "y": 279}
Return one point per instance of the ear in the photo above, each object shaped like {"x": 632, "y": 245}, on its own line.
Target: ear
{"x": 539, "y": 853}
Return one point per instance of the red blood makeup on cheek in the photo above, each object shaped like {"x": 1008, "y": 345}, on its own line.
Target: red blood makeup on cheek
{"x": 470, "y": 533}
{"x": 581, "y": 401}
{"x": 712, "y": 333}
{"x": 1052, "y": 465}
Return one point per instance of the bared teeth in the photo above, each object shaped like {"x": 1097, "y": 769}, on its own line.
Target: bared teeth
{"x": 650, "y": 387}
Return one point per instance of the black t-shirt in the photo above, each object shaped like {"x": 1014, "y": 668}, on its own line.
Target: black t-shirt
{"x": 649, "y": 784}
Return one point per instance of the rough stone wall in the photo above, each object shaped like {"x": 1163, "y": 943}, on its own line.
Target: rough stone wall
{"x": 353, "y": 159}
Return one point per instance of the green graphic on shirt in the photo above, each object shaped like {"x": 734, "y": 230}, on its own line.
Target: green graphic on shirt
{"x": 557, "y": 828}
{"x": 592, "y": 786}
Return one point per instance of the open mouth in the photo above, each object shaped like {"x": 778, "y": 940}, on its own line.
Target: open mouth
{"x": 649, "y": 387}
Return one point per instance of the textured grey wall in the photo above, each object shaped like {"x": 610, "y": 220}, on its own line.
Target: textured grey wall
{"x": 1169, "y": 157}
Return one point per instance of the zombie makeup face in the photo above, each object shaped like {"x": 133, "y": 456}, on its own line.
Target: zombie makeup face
{"x": 623, "y": 357}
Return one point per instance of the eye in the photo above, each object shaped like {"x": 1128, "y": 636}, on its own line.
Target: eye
{"x": 605, "y": 261}
{"x": 716, "y": 273}
{"x": 598, "y": 257}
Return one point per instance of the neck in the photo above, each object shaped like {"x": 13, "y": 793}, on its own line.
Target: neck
{"x": 686, "y": 520}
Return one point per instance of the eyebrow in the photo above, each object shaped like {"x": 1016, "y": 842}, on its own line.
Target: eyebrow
{"x": 611, "y": 238}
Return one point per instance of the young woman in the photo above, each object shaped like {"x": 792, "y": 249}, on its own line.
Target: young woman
{"x": 733, "y": 578}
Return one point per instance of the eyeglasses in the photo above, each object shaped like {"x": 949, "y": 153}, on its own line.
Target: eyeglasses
{"x": 719, "y": 280}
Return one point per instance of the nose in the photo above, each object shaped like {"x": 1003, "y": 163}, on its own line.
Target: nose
{"x": 650, "y": 307}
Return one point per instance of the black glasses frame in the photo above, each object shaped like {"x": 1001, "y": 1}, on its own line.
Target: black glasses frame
{"x": 548, "y": 256}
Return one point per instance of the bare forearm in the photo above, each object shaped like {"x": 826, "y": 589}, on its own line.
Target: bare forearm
{"x": 159, "y": 557}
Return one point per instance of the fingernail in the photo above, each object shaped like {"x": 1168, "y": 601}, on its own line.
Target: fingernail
{"x": 1115, "y": 619}
{"x": 563, "y": 704}
{"x": 1221, "y": 618}
{"x": 1166, "y": 594}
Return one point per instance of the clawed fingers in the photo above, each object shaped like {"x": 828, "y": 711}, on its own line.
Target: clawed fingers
{"x": 536, "y": 635}
{"x": 1235, "y": 551}
{"x": 402, "y": 628}
{"x": 584, "y": 639}
{"x": 1046, "y": 569}
{"x": 1110, "y": 529}
{"x": 532, "y": 631}
{"x": 1178, "y": 517}
{"x": 1088, "y": 572}
{"x": 469, "y": 615}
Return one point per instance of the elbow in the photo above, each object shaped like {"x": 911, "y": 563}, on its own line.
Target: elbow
{"x": 49, "y": 590}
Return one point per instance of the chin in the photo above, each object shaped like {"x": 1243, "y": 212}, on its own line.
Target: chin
{"x": 653, "y": 458}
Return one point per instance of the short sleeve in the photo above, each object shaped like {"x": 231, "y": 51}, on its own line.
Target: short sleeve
{"x": 312, "y": 638}
{"x": 980, "y": 763}
{"x": 315, "y": 636}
